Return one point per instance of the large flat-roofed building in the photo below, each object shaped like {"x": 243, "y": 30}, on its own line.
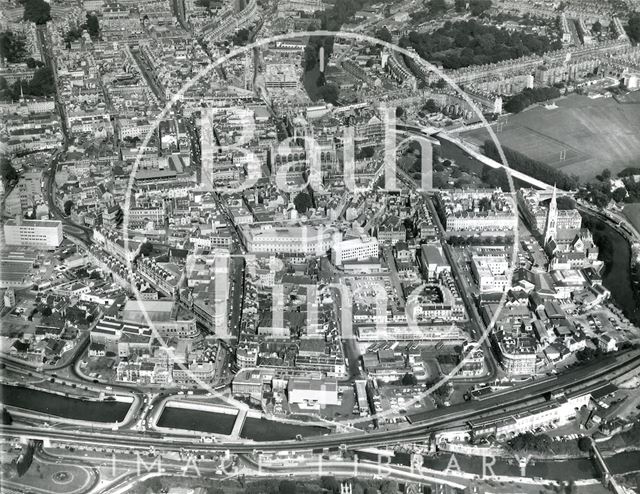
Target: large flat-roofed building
{"x": 448, "y": 333}
{"x": 433, "y": 261}
{"x": 305, "y": 240}
{"x": 556, "y": 412}
{"x": 355, "y": 249}
{"x": 165, "y": 316}
{"x": 41, "y": 234}
{"x": 491, "y": 272}
{"x": 516, "y": 350}
{"x": 16, "y": 268}
{"x": 313, "y": 393}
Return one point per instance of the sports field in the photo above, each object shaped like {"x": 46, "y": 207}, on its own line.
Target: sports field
{"x": 632, "y": 212}
{"x": 581, "y": 136}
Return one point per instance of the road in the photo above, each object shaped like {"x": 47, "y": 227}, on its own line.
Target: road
{"x": 587, "y": 378}
{"x": 70, "y": 228}
{"x": 472, "y": 310}
{"x": 343, "y": 468}
{"x": 147, "y": 72}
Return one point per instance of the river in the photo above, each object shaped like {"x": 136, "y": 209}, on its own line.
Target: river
{"x": 617, "y": 274}
{"x": 617, "y": 277}
{"x": 61, "y": 406}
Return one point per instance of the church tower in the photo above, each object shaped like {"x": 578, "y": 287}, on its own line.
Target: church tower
{"x": 551, "y": 229}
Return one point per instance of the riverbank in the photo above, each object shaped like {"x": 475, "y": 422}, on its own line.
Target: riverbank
{"x": 616, "y": 275}
{"x": 30, "y": 402}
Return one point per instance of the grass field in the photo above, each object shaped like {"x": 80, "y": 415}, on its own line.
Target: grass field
{"x": 632, "y": 212}
{"x": 581, "y": 136}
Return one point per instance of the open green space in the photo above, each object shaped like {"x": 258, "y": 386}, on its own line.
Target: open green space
{"x": 632, "y": 213}
{"x": 582, "y": 136}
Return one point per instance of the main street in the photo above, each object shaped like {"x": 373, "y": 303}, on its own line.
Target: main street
{"x": 71, "y": 229}
{"x": 480, "y": 332}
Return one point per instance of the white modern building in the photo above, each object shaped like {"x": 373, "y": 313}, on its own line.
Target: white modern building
{"x": 355, "y": 249}
{"x": 313, "y": 393}
{"x": 449, "y": 333}
{"x": 305, "y": 240}
{"x": 41, "y": 234}
{"x": 560, "y": 410}
{"x": 491, "y": 272}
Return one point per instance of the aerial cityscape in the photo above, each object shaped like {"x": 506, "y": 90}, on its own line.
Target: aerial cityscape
{"x": 320, "y": 246}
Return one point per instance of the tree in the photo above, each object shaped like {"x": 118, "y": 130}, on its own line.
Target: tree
{"x": 146, "y": 249}
{"x": 456, "y": 44}
{"x": 365, "y": 152}
{"x": 241, "y": 37}
{"x": 8, "y": 172}
{"x": 528, "y": 96}
{"x": 430, "y": 106}
{"x": 7, "y": 419}
{"x": 215, "y": 490}
{"x": 461, "y": 5}
{"x": 73, "y": 35}
{"x": 383, "y": 34}
{"x": 389, "y": 487}
{"x": 93, "y": 25}
{"x": 409, "y": 380}
{"x": 287, "y": 487}
{"x": 442, "y": 392}
{"x": 605, "y": 175}
{"x": 633, "y": 28}
{"x": 584, "y": 444}
{"x": 586, "y": 354}
{"x": 302, "y": 202}
{"x": 530, "y": 442}
{"x": 67, "y": 207}
{"x": 12, "y": 48}
{"x": 154, "y": 484}
{"x": 329, "y": 93}
{"x": 619, "y": 194}
{"x": 330, "y": 484}
{"x": 520, "y": 162}
{"x": 33, "y": 63}
{"x": 437, "y": 7}
{"x": 310, "y": 57}
{"x": 37, "y": 11}
{"x": 495, "y": 178}
{"x": 46, "y": 311}
{"x": 597, "y": 27}
{"x": 42, "y": 83}
{"x": 478, "y": 7}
